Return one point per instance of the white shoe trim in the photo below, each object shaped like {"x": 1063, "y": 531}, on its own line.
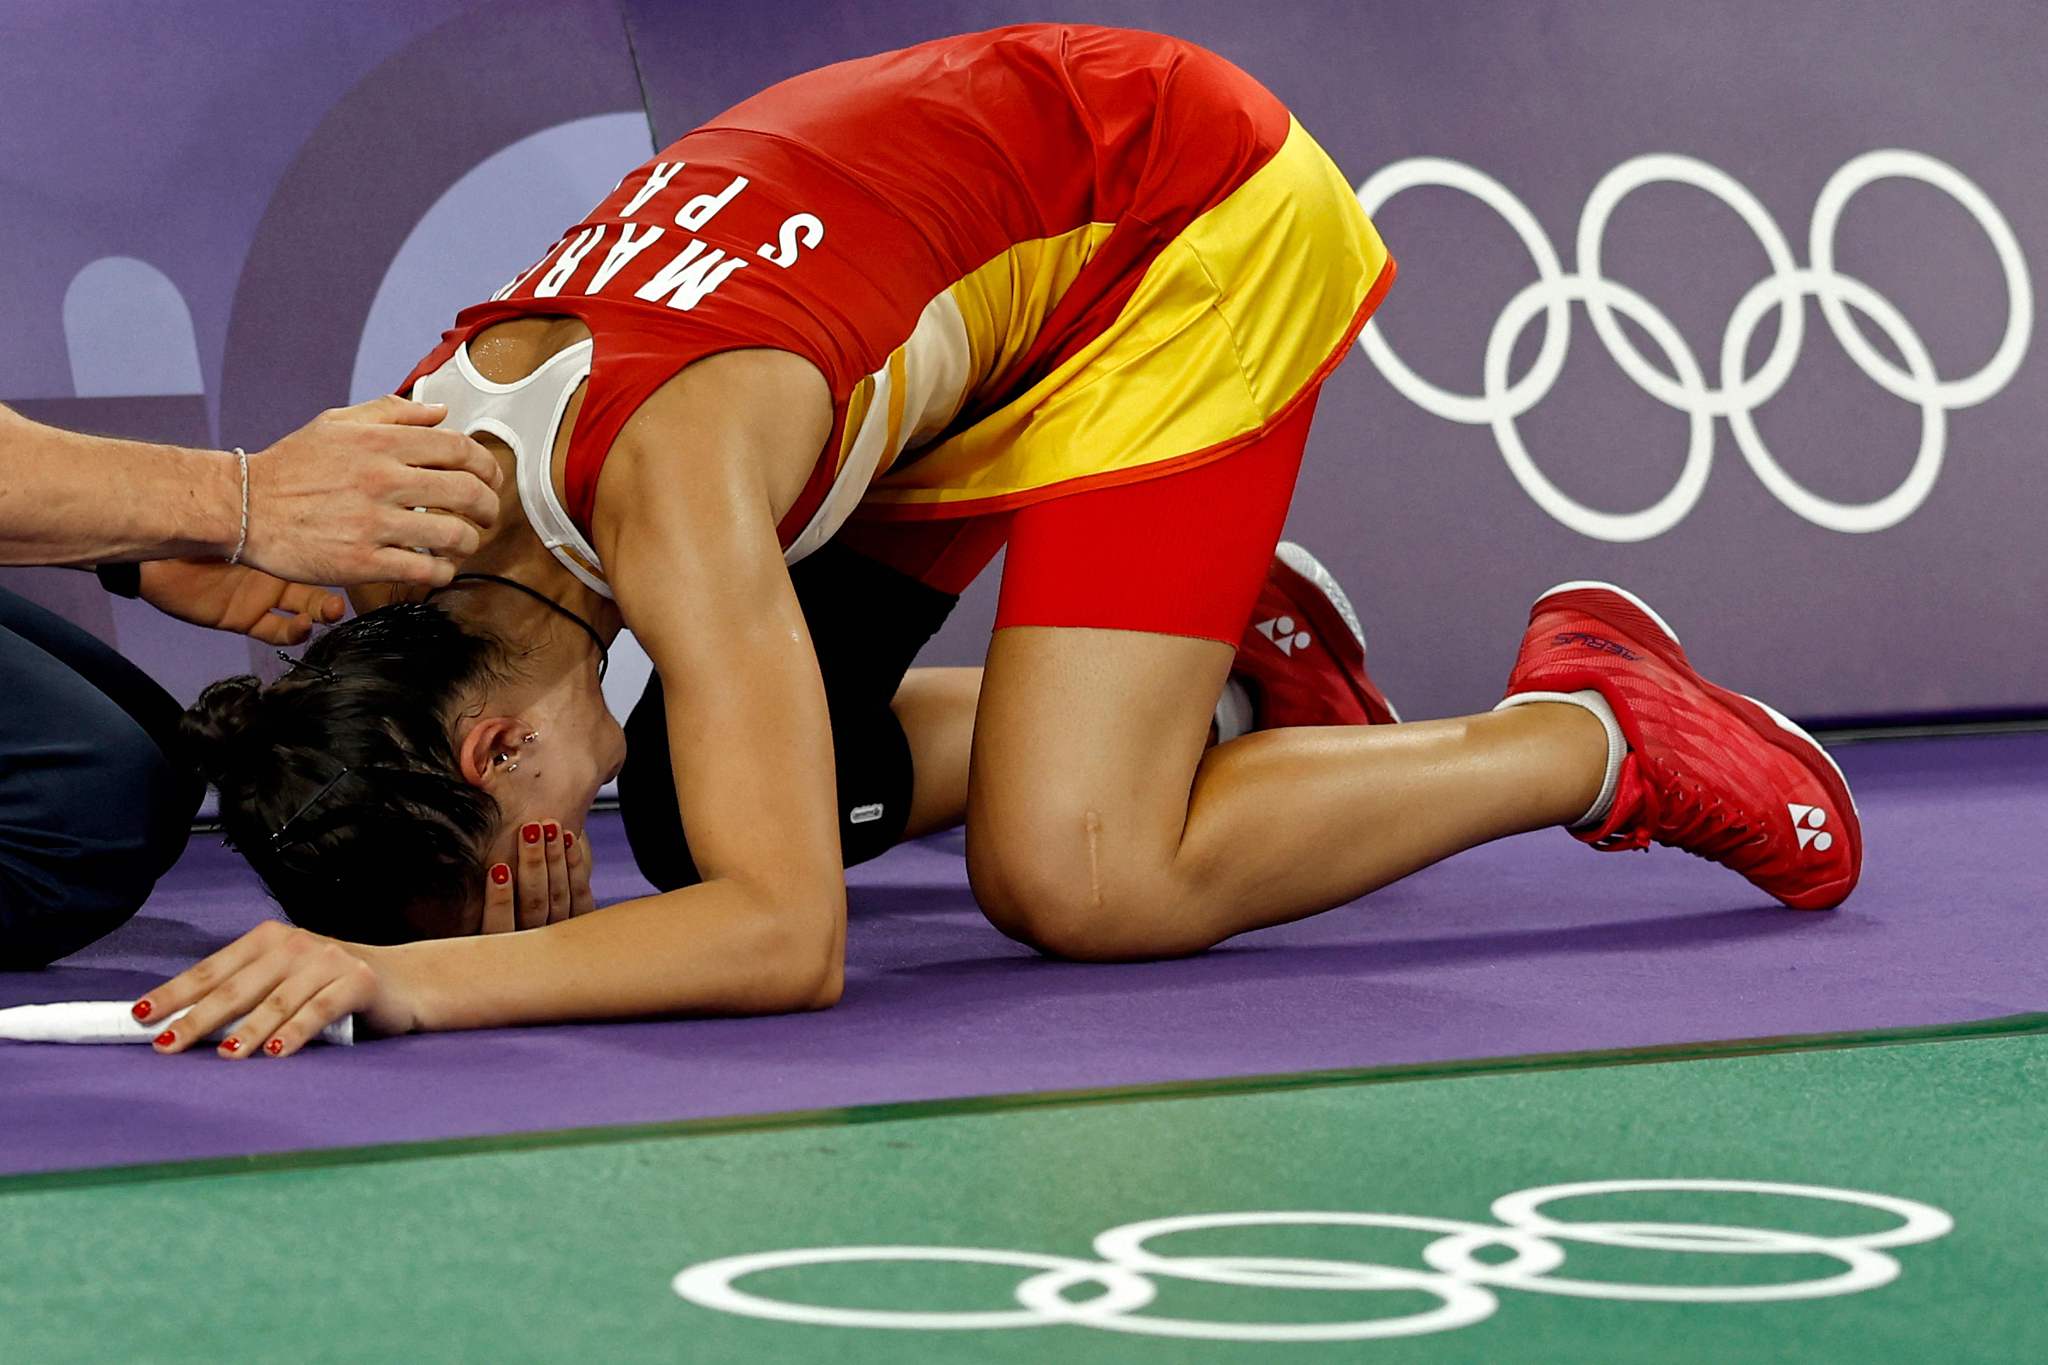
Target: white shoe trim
{"x": 1298, "y": 558}
{"x": 1311, "y": 568}
{"x": 1640, "y": 605}
{"x": 1235, "y": 716}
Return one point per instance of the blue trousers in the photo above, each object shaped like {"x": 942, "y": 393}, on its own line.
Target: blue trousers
{"x": 94, "y": 807}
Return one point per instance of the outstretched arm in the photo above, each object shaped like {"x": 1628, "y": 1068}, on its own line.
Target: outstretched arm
{"x": 697, "y": 569}
{"x": 686, "y": 529}
{"x": 693, "y": 558}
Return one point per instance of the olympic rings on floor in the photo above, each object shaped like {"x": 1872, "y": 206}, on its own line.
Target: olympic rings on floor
{"x": 1463, "y": 1284}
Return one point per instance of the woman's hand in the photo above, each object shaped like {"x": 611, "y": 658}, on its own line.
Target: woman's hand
{"x": 284, "y": 985}
{"x": 551, "y": 882}
{"x": 238, "y": 598}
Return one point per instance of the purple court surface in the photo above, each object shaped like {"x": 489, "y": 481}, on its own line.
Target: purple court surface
{"x": 1531, "y": 945}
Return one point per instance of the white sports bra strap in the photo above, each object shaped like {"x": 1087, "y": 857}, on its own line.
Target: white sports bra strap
{"x": 527, "y": 416}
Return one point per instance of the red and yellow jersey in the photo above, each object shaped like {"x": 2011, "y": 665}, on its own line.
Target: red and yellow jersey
{"x": 1026, "y": 261}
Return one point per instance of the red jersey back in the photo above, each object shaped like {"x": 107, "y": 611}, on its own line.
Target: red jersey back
{"x": 1016, "y": 182}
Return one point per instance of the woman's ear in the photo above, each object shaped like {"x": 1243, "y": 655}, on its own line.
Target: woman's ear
{"x": 490, "y": 747}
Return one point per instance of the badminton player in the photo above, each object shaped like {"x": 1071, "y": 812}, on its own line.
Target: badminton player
{"x": 1069, "y": 291}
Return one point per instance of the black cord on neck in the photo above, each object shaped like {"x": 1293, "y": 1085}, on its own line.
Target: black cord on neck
{"x": 603, "y": 654}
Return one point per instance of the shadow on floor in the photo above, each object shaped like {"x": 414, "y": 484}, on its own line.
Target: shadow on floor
{"x": 1255, "y": 961}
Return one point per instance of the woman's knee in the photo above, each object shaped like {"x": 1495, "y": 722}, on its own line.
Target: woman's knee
{"x": 1074, "y": 887}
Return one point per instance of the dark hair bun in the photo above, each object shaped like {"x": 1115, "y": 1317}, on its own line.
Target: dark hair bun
{"x": 215, "y": 731}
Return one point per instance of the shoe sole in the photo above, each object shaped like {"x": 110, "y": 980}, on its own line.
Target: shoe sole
{"x": 1792, "y": 738}
{"x": 1324, "y": 584}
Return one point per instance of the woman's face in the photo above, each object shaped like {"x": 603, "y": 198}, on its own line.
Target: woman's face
{"x": 576, "y": 746}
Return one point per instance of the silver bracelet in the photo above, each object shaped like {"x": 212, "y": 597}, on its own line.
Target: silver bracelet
{"x": 242, "y": 540}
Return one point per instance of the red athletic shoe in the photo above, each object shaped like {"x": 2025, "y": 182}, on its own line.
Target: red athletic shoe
{"x": 1710, "y": 771}
{"x": 1302, "y": 657}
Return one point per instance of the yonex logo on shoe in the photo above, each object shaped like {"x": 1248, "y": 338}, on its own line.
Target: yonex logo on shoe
{"x": 1280, "y": 630}
{"x": 1808, "y": 822}
{"x": 1601, "y": 643}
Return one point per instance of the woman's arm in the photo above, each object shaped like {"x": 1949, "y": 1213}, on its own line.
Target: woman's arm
{"x": 693, "y": 558}
{"x": 710, "y": 949}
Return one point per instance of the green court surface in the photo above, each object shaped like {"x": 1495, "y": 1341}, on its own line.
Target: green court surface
{"x": 569, "y": 1249}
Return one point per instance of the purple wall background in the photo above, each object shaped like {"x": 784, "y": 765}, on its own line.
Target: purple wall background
{"x": 269, "y": 163}
{"x": 299, "y": 179}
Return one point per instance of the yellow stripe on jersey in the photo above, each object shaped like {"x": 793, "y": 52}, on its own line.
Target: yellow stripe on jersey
{"x": 1226, "y": 327}
{"x": 914, "y": 396}
{"x": 857, "y": 405}
{"x": 1005, "y": 302}
{"x": 892, "y": 445}
{"x": 967, "y": 341}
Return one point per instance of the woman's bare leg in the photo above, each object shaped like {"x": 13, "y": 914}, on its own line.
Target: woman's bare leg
{"x": 1098, "y": 827}
{"x": 935, "y": 706}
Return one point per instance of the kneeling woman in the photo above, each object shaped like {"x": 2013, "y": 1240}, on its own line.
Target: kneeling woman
{"x": 1070, "y": 290}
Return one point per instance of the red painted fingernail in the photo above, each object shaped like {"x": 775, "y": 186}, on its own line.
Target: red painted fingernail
{"x": 552, "y": 830}
{"x": 501, "y": 874}
{"x": 274, "y": 1046}
{"x": 531, "y": 834}
{"x": 231, "y": 1045}
{"x": 141, "y": 1009}
{"x": 166, "y": 1038}
{"x": 568, "y": 840}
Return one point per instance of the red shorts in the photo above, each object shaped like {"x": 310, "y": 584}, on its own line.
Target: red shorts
{"x": 1181, "y": 554}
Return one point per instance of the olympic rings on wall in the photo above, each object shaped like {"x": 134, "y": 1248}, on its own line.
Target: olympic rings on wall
{"x": 1463, "y": 1284}
{"x": 1681, "y": 384}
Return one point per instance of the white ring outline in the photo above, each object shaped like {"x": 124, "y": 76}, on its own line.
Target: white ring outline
{"x": 1898, "y": 163}
{"x": 1620, "y": 527}
{"x": 1664, "y": 168}
{"x": 1866, "y": 1268}
{"x": 1849, "y": 518}
{"x": 1918, "y": 1222}
{"x": 1463, "y": 1302}
{"x": 709, "y": 1284}
{"x": 1479, "y": 409}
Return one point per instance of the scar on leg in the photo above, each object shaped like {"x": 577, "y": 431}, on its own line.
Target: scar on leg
{"x": 1091, "y": 822}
